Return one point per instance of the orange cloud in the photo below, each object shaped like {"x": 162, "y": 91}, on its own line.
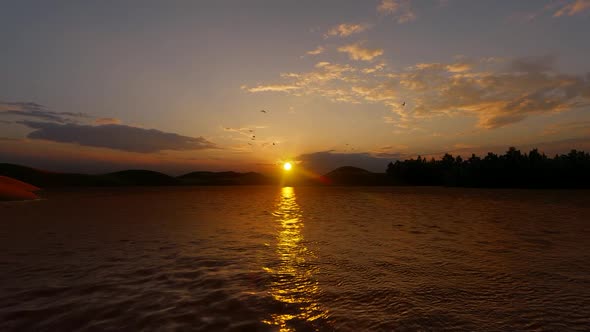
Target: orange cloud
{"x": 498, "y": 93}
{"x": 346, "y": 29}
{"x": 103, "y": 121}
{"x": 358, "y": 52}
{"x": 401, "y": 10}
{"x": 316, "y": 51}
{"x": 273, "y": 88}
{"x": 573, "y": 8}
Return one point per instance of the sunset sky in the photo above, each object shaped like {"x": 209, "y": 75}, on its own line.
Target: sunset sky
{"x": 178, "y": 86}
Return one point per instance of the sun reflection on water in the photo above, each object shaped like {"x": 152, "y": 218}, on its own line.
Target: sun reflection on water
{"x": 293, "y": 284}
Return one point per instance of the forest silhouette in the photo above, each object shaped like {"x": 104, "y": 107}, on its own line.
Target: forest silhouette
{"x": 510, "y": 170}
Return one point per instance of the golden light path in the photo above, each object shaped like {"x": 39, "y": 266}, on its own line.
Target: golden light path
{"x": 293, "y": 283}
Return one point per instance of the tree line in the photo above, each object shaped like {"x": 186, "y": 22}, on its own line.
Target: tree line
{"x": 512, "y": 169}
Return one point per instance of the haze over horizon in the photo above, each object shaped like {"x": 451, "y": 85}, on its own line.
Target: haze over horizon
{"x": 175, "y": 86}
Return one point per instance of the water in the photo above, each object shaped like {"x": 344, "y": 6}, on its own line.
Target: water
{"x": 296, "y": 259}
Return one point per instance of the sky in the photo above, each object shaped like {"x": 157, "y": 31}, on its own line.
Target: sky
{"x": 179, "y": 86}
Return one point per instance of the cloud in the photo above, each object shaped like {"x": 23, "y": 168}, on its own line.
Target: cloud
{"x": 577, "y": 127}
{"x": 245, "y": 134}
{"x": 316, "y": 51}
{"x": 346, "y": 29}
{"x": 533, "y": 64}
{"x": 115, "y": 136}
{"x": 400, "y": 10}
{"x": 358, "y": 52}
{"x": 459, "y": 67}
{"x": 40, "y": 112}
{"x": 104, "y": 121}
{"x": 272, "y": 88}
{"x": 325, "y": 161}
{"x": 572, "y": 8}
{"x": 498, "y": 93}
{"x": 317, "y": 81}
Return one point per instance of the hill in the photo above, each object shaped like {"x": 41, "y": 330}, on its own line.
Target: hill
{"x": 354, "y": 176}
{"x": 41, "y": 178}
{"x": 46, "y": 179}
{"x": 140, "y": 178}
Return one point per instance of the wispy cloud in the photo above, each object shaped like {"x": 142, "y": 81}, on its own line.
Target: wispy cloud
{"x": 37, "y": 111}
{"x": 357, "y": 51}
{"x": 316, "y": 51}
{"x": 104, "y": 121}
{"x": 246, "y": 133}
{"x": 572, "y": 8}
{"x": 115, "y": 136}
{"x": 272, "y": 88}
{"x": 400, "y": 10}
{"x": 499, "y": 92}
{"x": 577, "y": 127}
{"x": 316, "y": 81}
{"x": 346, "y": 29}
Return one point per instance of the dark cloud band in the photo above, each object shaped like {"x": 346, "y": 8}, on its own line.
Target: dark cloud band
{"x": 115, "y": 136}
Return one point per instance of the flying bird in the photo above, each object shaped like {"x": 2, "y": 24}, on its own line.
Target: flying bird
{"x": 263, "y": 111}
{"x": 403, "y": 104}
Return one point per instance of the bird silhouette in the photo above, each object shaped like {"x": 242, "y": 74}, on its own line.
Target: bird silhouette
{"x": 263, "y": 111}
{"x": 273, "y": 143}
{"x": 403, "y": 104}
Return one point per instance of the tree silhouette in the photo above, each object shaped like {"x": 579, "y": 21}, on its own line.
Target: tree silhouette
{"x": 512, "y": 169}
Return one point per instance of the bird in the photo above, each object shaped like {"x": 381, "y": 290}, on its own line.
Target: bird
{"x": 273, "y": 143}
{"x": 263, "y": 111}
{"x": 249, "y": 143}
{"x": 403, "y": 104}
{"x": 253, "y": 136}
{"x": 251, "y": 130}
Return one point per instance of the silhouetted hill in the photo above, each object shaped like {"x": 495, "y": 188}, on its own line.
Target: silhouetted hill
{"x": 41, "y": 178}
{"x": 354, "y": 176}
{"x": 224, "y": 178}
{"x": 141, "y": 178}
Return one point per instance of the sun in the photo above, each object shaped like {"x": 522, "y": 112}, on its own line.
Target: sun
{"x": 287, "y": 166}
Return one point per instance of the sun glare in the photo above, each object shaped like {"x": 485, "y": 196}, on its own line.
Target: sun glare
{"x": 287, "y": 166}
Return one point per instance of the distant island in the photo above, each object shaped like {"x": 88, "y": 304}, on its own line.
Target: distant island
{"x": 510, "y": 170}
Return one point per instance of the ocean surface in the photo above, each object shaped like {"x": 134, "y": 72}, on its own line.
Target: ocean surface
{"x": 296, "y": 259}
